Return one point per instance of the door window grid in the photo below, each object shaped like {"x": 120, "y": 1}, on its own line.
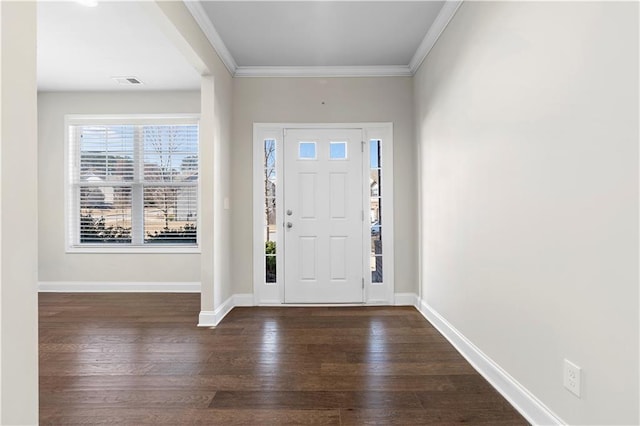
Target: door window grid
{"x": 337, "y": 150}
{"x": 307, "y": 151}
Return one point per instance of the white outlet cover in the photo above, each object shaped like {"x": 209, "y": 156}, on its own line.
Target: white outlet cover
{"x": 572, "y": 377}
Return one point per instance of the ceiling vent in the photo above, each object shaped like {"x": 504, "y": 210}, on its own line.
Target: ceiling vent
{"x": 127, "y": 81}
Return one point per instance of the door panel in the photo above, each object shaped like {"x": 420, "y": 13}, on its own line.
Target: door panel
{"x": 308, "y": 195}
{"x": 338, "y": 255}
{"x": 338, "y": 203}
{"x": 308, "y": 258}
{"x": 323, "y": 241}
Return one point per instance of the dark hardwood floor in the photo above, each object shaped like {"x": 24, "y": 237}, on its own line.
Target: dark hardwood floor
{"x": 140, "y": 359}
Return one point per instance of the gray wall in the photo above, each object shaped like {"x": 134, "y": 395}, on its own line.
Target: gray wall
{"x": 526, "y": 121}
{"x": 18, "y": 210}
{"x": 56, "y": 265}
{"x": 215, "y": 149}
{"x": 299, "y": 100}
{"x": 527, "y": 125}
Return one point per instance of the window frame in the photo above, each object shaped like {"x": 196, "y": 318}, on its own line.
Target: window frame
{"x": 71, "y": 210}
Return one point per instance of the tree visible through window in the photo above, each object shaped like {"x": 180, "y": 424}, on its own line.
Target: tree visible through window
{"x": 270, "y": 210}
{"x": 133, "y": 184}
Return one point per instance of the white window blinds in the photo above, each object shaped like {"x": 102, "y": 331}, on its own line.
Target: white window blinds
{"x": 132, "y": 182}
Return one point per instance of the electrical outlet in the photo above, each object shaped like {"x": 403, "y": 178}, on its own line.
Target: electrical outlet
{"x": 572, "y": 377}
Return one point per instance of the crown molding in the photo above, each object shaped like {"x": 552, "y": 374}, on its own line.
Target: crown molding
{"x": 445, "y": 15}
{"x": 447, "y": 12}
{"x": 201, "y": 17}
{"x": 313, "y": 71}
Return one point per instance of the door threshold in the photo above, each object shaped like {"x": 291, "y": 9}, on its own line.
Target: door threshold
{"x": 315, "y": 305}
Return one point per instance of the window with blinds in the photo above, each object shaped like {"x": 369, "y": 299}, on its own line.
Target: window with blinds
{"x": 132, "y": 182}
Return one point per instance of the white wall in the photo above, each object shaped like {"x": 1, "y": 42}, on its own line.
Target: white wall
{"x": 287, "y": 100}
{"x": 18, "y": 220}
{"x": 215, "y": 149}
{"x": 527, "y": 121}
{"x": 56, "y": 265}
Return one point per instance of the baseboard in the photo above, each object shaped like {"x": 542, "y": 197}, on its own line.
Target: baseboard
{"x": 243, "y": 299}
{"x": 528, "y": 405}
{"x": 213, "y": 318}
{"x": 207, "y": 319}
{"x": 117, "y": 287}
{"x": 522, "y": 400}
{"x": 406, "y": 299}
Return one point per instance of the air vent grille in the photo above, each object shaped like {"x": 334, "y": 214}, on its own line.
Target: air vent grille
{"x": 127, "y": 80}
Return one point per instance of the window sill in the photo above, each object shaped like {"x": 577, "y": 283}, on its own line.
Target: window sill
{"x": 166, "y": 249}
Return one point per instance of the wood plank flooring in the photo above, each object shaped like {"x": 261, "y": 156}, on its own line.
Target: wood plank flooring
{"x": 139, "y": 359}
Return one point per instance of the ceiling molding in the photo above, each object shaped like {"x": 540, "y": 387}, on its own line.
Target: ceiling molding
{"x": 336, "y": 71}
{"x": 445, "y": 15}
{"x": 201, "y": 17}
{"x": 447, "y": 12}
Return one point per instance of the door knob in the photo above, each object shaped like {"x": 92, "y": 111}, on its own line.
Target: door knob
{"x": 289, "y": 225}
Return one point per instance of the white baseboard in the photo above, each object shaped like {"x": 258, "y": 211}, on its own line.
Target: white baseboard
{"x": 207, "y": 319}
{"x": 528, "y": 405}
{"x": 117, "y": 287}
{"x": 243, "y": 299}
{"x": 406, "y": 299}
{"x": 213, "y": 318}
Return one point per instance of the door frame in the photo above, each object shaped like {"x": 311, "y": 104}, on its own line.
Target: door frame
{"x": 273, "y": 293}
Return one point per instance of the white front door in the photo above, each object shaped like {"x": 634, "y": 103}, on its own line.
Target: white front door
{"x": 323, "y": 216}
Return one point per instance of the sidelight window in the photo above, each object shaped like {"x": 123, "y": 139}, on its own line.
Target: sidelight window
{"x": 375, "y": 212}
{"x": 270, "y": 229}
